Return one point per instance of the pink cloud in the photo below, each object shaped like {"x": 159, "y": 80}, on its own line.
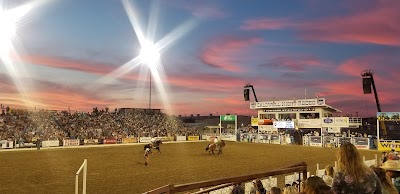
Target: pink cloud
{"x": 228, "y": 53}
{"x": 376, "y": 24}
{"x": 294, "y": 64}
{"x": 266, "y": 24}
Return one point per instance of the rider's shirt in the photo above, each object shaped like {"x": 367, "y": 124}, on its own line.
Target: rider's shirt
{"x": 215, "y": 140}
{"x": 153, "y": 140}
{"x": 147, "y": 152}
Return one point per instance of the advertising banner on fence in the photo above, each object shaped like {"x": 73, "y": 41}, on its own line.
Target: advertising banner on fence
{"x": 284, "y": 124}
{"x": 388, "y": 116}
{"x": 90, "y": 141}
{"x": 180, "y": 138}
{"x": 144, "y": 139}
{"x": 196, "y": 138}
{"x": 315, "y": 141}
{"x": 110, "y": 141}
{"x": 388, "y": 145}
{"x": 51, "y": 143}
{"x": 361, "y": 142}
{"x": 275, "y": 139}
{"x": 129, "y": 140}
{"x": 71, "y": 142}
{"x": 254, "y": 121}
{"x": 228, "y": 137}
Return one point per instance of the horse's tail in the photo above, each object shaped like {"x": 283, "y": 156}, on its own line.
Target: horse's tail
{"x": 208, "y": 147}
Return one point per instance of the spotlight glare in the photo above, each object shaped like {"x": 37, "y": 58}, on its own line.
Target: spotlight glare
{"x": 7, "y": 32}
{"x": 149, "y": 53}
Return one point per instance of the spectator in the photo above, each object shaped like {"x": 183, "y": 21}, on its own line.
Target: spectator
{"x": 392, "y": 168}
{"x": 387, "y": 185}
{"x": 275, "y": 190}
{"x": 353, "y": 175}
{"x": 328, "y": 176}
{"x": 258, "y": 187}
{"x": 315, "y": 185}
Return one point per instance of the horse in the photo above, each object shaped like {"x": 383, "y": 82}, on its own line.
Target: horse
{"x": 156, "y": 145}
{"x": 212, "y": 146}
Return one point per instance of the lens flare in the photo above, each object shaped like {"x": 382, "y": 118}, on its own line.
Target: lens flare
{"x": 151, "y": 51}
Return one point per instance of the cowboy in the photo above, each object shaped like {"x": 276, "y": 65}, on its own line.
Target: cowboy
{"x": 216, "y": 140}
{"x": 147, "y": 156}
{"x": 392, "y": 168}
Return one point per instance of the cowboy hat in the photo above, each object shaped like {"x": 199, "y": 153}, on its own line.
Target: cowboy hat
{"x": 391, "y": 165}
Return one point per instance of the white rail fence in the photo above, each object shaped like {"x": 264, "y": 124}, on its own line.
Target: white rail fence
{"x": 84, "y": 168}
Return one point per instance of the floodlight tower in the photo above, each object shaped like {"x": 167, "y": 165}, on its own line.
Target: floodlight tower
{"x": 246, "y": 91}
{"x": 368, "y": 80}
{"x": 150, "y": 55}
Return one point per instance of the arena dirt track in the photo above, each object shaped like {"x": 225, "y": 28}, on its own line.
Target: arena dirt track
{"x": 121, "y": 169}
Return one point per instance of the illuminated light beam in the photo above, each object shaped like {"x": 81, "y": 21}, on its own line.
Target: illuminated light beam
{"x": 129, "y": 9}
{"x": 150, "y": 53}
{"x": 152, "y": 24}
{"x": 177, "y": 33}
{"x": 10, "y": 20}
{"x": 119, "y": 72}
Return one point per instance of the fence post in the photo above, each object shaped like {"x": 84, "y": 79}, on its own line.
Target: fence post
{"x": 84, "y": 176}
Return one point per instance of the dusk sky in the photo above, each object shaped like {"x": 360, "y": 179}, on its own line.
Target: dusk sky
{"x": 280, "y": 47}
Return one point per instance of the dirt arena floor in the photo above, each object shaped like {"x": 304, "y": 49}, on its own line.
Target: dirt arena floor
{"x": 121, "y": 169}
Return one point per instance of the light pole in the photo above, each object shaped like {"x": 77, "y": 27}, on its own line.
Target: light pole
{"x": 150, "y": 93}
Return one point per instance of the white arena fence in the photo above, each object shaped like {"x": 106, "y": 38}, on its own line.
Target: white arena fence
{"x": 84, "y": 175}
{"x": 316, "y": 141}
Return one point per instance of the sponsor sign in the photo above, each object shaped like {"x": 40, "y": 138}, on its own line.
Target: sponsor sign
{"x": 284, "y": 124}
{"x": 70, "y": 142}
{"x": 266, "y": 128}
{"x": 6, "y": 144}
{"x": 227, "y": 118}
{"x": 228, "y": 137}
{"x": 110, "y": 141}
{"x": 144, "y": 139}
{"x": 254, "y": 121}
{"x": 315, "y": 141}
{"x": 289, "y": 110}
{"x": 51, "y": 143}
{"x": 388, "y": 116}
{"x": 265, "y": 121}
{"x": 335, "y": 122}
{"x": 288, "y": 103}
{"x": 129, "y": 140}
{"x": 328, "y": 120}
{"x": 196, "y": 138}
{"x": 90, "y": 141}
{"x": 361, "y": 143}
{"x": 388, "y": 145}
{"x": 180, "y": 138}
{"x": 331, "y": 129}
{"x": 275, "y": 139}
{"x": 304, "y": 123}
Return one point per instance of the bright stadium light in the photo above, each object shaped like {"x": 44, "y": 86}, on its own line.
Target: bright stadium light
{"x": 149, "y": 54}
{"x": 7, "y": 31}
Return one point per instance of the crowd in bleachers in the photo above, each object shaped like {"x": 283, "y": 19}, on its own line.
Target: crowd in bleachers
{"x": 352, "y": 175}
{"x": 24, "y": 125}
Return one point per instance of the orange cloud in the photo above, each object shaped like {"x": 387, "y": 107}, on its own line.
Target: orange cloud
{"x": 228, "y": 53}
